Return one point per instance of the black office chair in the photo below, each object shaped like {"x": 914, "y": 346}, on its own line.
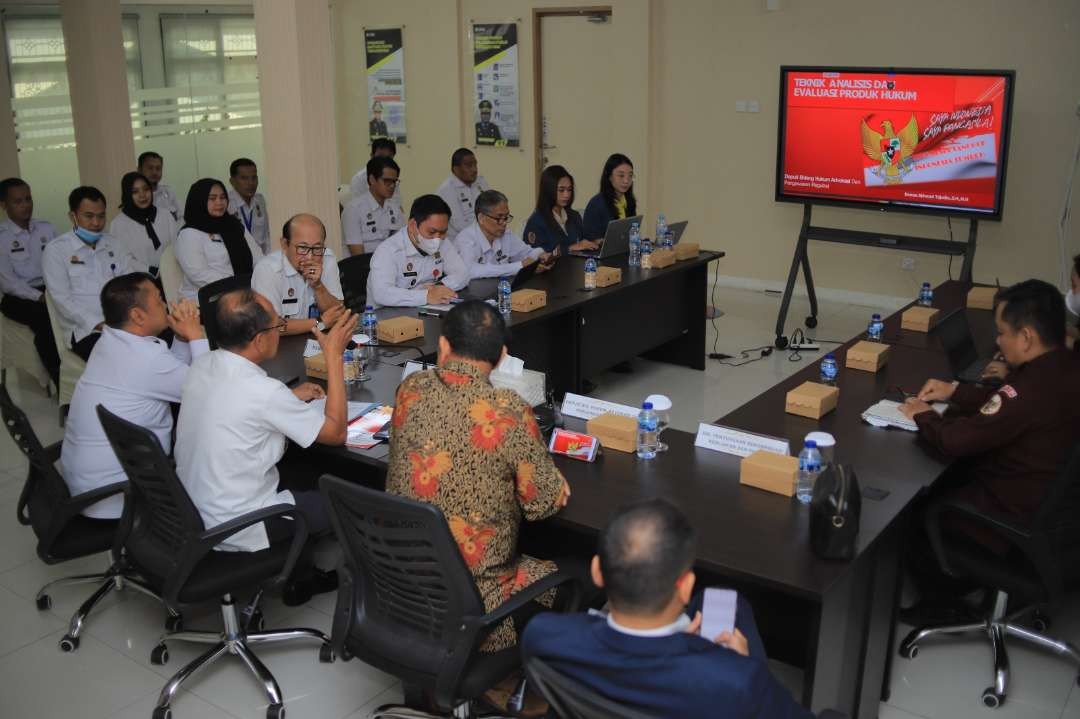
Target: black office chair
{"x": 165, "y": 538}
{"x": 208, "y": 298}
{"x": 63, "y": 533}
{"x": 572, "y": 700}
{"x": 354, "y": 273}
{"x": 408, "y": 605}
{"x": 1033, "y": 576}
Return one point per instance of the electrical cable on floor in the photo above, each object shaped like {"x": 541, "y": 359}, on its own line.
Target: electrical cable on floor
{"x": 948, "y": 225}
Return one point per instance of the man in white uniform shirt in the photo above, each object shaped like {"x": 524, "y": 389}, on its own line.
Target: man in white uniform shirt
{"x": 380, "y": 147}
{"x": 461, "y": 189}
{"x": 300, "y": 276}
{"x": 77, "y": 264}
{"x": 373, "y": 214}
{"x": 489, "y": 248}
{"x": 135, "y": 375}
{"x": 22, "y": 242}
{"x": 246, "y": 203}
{"x": 235, "y": 423}
{"x": 152, "y": 166}
{"x": 418, "y": 265}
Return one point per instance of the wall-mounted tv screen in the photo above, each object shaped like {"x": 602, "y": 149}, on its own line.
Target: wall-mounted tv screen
{"x": 919, "y": 140}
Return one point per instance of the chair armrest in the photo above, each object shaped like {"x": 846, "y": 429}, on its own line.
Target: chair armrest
{"x": 79, "y": 502}
{"x": 530, "y": 593}
{"x": 212, "y": 537}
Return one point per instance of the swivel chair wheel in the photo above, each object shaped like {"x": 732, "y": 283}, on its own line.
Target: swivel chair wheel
{"x": 159, "y": 655}
{"x": 991, "y": 699}
{"x": 162, "y": 713}
{"x": 44, "y": 603}
{"x": 1040, "y": 622}
{"x": 326, "y": 654}
{"x": 781, "y": 342}
{"x": 275, "y": 711}
{"x": 69, "y": 643}
{"x": 257, "y": 623}
{"x": 909, "y": 652}
{"x": 174, "y": 623}
{"x": 811, "y": 322}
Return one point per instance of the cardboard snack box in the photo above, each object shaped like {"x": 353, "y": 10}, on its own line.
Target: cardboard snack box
{"x": 981, "y": 298}
{"x": 400, "y": 329}
{"x": 615, "y": 431}
{"x": 687, "y": 251}
{"x": 770, "y": 471}
{"x": 811, "y": 399}
{"x": 607, "y": 276}
{"x": 527, "y": 300}
{"x": 315, "y": 366}
{"x": 867, "y": 356}
{"x": 919, "y": 319}
{"x": 662, "y": 258}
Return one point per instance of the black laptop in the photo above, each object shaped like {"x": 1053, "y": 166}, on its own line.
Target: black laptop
{"x": 959, "y": 345}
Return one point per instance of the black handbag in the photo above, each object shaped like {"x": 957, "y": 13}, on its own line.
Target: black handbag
{"x": 835, "y": 508}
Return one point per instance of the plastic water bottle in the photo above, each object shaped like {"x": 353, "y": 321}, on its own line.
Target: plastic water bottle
{"x": 349, "y": 366}
{"x": 829, "y": 369}
{"x": 875, "y": 328}
{"x": 809, "y": 469}
{"x": 369, "y": 324}
{"x": 926, "y": 295}
{"x": 635, "y": 245}
{"x": 504, "y": 296}
{"x": 646, "y": 255}
{"x": 661, "y": 231}
{"x": 590, "y": 273}
{"x": 646, "y": 431}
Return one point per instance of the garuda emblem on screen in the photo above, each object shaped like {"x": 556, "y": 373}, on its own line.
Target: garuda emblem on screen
{"x": 891, "y": 149}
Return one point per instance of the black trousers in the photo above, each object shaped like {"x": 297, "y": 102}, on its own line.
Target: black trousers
{"x": 280, "y": 529}
{"x": 85, "y": 346}
{"x": 35, "y": 316}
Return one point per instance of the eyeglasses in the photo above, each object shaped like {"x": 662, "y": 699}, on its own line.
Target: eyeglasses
{"x": 279, "y": 327}
{"x": 505, "y": 220}
{"x": 309, "y": 250}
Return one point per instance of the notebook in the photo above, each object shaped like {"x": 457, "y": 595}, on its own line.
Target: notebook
{"x": 886, "y": 413}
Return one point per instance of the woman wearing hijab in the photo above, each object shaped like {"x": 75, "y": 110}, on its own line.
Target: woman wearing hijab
{"x": 212, "y": 244}
{"x": 140, "y": 227}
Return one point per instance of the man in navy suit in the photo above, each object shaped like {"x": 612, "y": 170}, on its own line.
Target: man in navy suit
{"x": 646, "y": 653}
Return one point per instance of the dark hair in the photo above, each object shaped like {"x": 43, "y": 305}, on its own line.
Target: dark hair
{"x": 476, "y": 331}
{"x": 127, "y": 188}
{"x": 1035, "y": 304}
{"x": 84, "y": 192}
{"x": 644, "y": 549}
{"x": 608, "y": 190}
{"x": 148, "y": 155}
{"x": 376, "y": 165}
{"x": 383, "y": 143}
{"x": 122, "y": 294}
{"x": 425, "y": 206}
{"x": 286, "y": 229}
{"x": 239, "y": 162}
{"x": 547, "y": 198}
{"x": 240, "y": 318}
{"x": 459, "y": 156}
{"x": 487, "y": 200}
{"x": 10, "y": 184}
{"x": 1076, "y": 260}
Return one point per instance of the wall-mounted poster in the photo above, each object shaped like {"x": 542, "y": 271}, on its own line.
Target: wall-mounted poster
{"x": 495, "y": 71}
{"x": 385, "y": 83}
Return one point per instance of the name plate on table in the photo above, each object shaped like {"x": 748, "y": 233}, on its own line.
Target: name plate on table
{"x": 740, "y": 444}
{"x": 576, "y": 405}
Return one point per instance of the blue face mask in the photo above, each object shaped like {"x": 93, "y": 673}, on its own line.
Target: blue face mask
{"x": 86, "y": 235}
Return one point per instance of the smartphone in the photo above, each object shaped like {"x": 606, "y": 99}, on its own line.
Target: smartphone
{"x": 718, "y": 612}
{"x": 384, "y": 431}
{"x": 574, "y": 445}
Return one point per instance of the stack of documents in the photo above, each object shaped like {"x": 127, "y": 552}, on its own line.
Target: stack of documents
{"x": 886, "y": 413}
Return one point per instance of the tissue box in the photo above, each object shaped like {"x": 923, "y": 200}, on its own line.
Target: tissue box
{"x": 607, "y": 276}
{"x": 981, "y": 298}
{"x": 529, "y": 385}
{"x": 686, "y": 251}
{"x": 919, "y": 319}
{"x": 812, "y": 400}
{"x": 527, "y": 300}
{"x": 770, "y": 471}
{"x": 867, "y": 356}
{"x": 662, "y": 257}
{"x": 615, "y": 431}
{"x": 315, "y": 366}
{"x": 400, "y": 329}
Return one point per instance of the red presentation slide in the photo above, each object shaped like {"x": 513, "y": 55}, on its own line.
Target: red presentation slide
{"x": 933, "y": 140}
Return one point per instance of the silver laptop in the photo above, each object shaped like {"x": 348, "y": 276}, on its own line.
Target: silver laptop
{"x": 616, "y": 239}
{"x": 677, "y": 229}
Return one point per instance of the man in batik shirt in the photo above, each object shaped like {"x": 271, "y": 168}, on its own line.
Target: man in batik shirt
{"x": 476, "y": 453}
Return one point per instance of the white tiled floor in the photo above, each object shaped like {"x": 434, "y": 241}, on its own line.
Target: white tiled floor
{"x": 111, "y": 677}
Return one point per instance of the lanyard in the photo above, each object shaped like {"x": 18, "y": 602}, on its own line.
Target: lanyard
{"x": 248, "y": 218}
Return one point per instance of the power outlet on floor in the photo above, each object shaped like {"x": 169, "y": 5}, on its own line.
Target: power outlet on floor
{"x": 908, "y": 264}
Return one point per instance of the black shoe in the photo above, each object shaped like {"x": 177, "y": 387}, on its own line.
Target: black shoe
{"x": 297, "y": 593}
{"x": 934, "y": 613}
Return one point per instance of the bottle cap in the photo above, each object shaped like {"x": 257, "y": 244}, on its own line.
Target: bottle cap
{"x": 876, "y": 316}
{"x": 810, "y": 444}
{"x": 368, "y": 308}
{"x": 925, "y": 284}
{"x": 646, "y": 405}
{"x": 830, "y": 355}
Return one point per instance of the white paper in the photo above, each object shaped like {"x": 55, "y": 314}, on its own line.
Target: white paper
{"x": 312, "y": 348}
{"x": 412, "y": 366}
{"x": 886, "y": 413}
{"x": 718, "y": 612}
{"x": 576, "y": 405}
{"x": 510, "y": 365}
{"x": 352, "y": 409}
{"x": 740, "y": 444}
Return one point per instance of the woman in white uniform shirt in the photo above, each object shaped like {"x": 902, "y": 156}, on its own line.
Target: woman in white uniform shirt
{"x": 212, "y": 244}
{"x": 140, "y": 227}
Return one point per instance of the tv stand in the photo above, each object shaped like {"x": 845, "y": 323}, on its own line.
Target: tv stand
{"x": 865, "y": 239}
